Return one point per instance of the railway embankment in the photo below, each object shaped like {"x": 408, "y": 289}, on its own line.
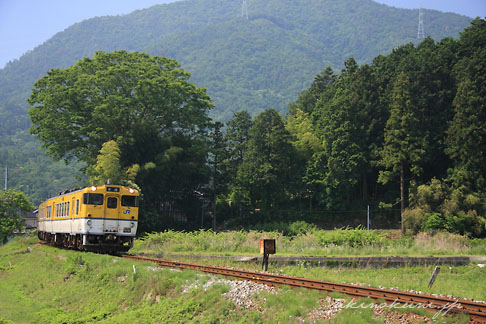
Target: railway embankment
{"x": 43, "y": 284}
{"x": 354, "y": 262}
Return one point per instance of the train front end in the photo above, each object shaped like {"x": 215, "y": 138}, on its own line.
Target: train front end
{"x": 109, "y": 218}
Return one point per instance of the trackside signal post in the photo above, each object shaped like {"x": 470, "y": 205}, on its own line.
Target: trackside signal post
{"x": 267, "y": 247}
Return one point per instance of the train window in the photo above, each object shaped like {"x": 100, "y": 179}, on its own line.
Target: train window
{"x": 129, "y": 201}
{"x": 67, "y": 209}
{"x": 77, "y": 207}
{"x": 93, "y": 199}
{"x": 111, "y": 202}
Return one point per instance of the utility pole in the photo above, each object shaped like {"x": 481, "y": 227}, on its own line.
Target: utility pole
{"x": 6, "y": 178}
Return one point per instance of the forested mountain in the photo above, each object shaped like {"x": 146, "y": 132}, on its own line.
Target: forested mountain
{"x": 253, "y": 64}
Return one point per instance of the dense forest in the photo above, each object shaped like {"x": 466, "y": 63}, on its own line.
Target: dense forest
{"x": 407, "y": 130}
{"x": 229, "y": 56}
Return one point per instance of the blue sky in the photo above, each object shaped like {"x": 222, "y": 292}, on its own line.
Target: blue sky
{"x": 25, "y": 24}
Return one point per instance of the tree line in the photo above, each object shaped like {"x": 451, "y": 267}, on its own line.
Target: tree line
{"x": 406, "y": 130}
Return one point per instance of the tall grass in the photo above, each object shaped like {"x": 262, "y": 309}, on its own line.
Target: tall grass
{"x": 309, "y": 241}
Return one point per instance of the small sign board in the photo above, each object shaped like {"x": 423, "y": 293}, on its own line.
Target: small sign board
{"x": 267, "y": 246}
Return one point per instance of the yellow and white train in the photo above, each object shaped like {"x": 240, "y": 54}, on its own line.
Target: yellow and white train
{"x": 97, "y": 218}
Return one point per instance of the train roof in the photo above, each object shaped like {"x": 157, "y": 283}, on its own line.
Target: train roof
{"x": 90, "y": 189}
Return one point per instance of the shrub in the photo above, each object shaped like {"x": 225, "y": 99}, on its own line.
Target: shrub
{"x": 433, "y": 222}
{"x": 300, "y": 227}
{"x": 438, "y": 206}
{"x": 413, "y": 219}
{"x": 351, "y": 237}
{"x": 287, "y": 229}
{"x": 468, "y": 224}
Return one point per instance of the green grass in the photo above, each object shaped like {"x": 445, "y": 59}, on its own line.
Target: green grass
{"x": 461, "y": 281}
{"x": 341, "y": 242}
{"x": 64, "y": 286}
{"x": 48, "y": 285}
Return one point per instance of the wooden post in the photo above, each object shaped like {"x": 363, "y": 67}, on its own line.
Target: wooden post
{"x": 267, "y": 247}
{"x": 265, "y": 262}
{"x": 434, "y": 275}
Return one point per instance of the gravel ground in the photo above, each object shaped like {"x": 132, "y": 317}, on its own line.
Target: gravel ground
{"x": 242, "y": 294}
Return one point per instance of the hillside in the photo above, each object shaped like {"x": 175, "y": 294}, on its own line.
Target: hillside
{"x": 262, "y": 62}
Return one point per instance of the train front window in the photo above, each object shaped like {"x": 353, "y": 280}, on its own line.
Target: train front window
{"x": 92, "y": 199}
{"x": 111, "y": 202}
{"x": 129, "y": 201}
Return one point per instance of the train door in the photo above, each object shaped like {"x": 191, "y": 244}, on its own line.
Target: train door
{"x": 73, "y": 215}
{"x": 110, "y": 221}
{"x": 52, "y": 209}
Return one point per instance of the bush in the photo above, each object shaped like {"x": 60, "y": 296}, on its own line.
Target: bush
{"x": 433, "y": 222}
{"x": 351, "y": 237}
{"x": 413, "y": 219}
{"x": 438, "y": 206}
{"x": 287, "y": 229}
{"x": 468, "y": 224}
{"x": 465, "y": 224}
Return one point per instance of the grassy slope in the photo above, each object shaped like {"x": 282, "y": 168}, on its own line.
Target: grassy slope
{"x": 312, "y": 242}
{"x": 458, "y": 281}
{"x": 48, "y": 285}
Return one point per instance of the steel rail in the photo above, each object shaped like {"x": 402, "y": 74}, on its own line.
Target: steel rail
{"x": 476, "y": 310}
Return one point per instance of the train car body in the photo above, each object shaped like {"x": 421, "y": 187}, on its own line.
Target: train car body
{"x": 97, "y": 218}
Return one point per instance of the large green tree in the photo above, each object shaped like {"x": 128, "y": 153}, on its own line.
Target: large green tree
{"x": 349, "y": 121}
{"x": 236, "y": 139}
{"x": 466, "y": 136}
{"x": 76, "y": 110}
{"x": 12, "y": 205}
{"x": 146, "y": 104}
{"x": 266, "y": 171}
{"x": 403, "y": 149}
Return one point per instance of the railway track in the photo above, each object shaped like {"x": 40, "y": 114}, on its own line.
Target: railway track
{"x": 476, "y": 310}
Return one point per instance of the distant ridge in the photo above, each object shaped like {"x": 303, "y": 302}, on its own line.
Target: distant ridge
{"x": 263, "y": 62}
{"x": 245, "y": 64}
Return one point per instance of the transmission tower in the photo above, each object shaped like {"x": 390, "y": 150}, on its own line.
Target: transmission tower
{"x": 420, "y": 31}
{"x": 244, "y": 9}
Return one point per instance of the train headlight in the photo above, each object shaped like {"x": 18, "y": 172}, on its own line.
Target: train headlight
{"x": 88, "y": 222}
{"x": 132, "y": 224}
{"x": 131, "y": 190}
{"x": 93, "y": 188}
